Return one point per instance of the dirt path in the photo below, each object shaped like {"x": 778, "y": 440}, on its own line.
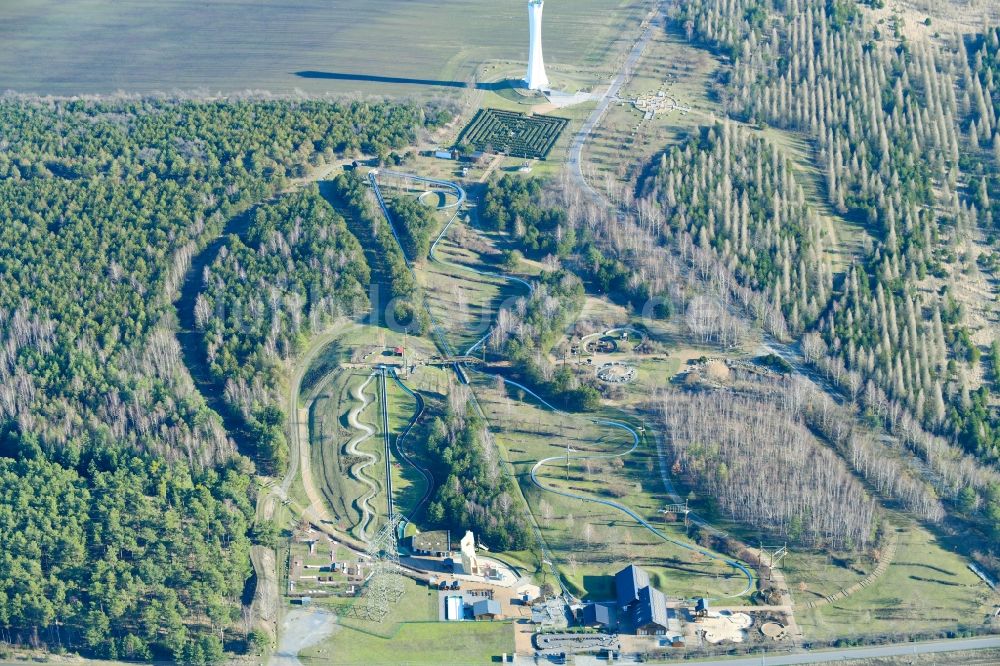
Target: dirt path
{"x": 787, "y": 605}
{"x": 497, "y": 161}
{"x": 266, "y": 599}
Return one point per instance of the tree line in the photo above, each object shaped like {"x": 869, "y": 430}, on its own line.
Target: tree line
{"x": 759, "y": 465}
{"x": 475, "y": 494}
{"x": 390, "y": 272}
{"x": 415, "y": 222}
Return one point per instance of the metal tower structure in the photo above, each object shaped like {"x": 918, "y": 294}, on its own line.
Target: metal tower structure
{"x": 536, "y": 78}
{"x": 676, "y": 510}
{"x": 384, "y": 585}
{"x": 774, "y": 555}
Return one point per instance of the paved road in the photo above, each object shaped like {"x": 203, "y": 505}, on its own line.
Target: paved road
{"x": 829, "y": 656}
{"x": 581, "y": 138}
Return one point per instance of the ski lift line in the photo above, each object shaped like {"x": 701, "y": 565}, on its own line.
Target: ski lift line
{"x": 386, "y": 437}
{"x": 372, "y": 176}
{"x": 402, "y": 436}
{"x": 443, "y": 343}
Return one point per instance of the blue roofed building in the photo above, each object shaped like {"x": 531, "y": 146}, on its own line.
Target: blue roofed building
{"x": 650, "y": 613}
{"x": 628, "y": 582}
{"x": 486, "y": 609}
{"x": 640, "y": 604}
{"x": 599, "y": 615}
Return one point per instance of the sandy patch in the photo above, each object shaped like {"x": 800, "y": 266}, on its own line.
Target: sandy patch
{"x": 302, "y": 628}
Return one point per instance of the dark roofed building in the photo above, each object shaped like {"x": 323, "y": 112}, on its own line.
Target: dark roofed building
{"x": 650, "y": 613}
{"x": 436, "y": 543}
{"x": 599, "y": 615}
{"x": 486, "y": 609}
{"x": 701, "y": 607}
{"x": 628, "y": 582}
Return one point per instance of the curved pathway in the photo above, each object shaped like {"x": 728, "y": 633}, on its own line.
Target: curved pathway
{"x": 605, "y": 422}
{"x": 615, "y": 505}
{"x": 357, "y": 470}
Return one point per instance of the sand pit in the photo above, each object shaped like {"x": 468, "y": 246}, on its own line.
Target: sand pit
{"x": 720, "y": 627}
{"x": 718, "y": 371}
{"x": 773, "y": 630}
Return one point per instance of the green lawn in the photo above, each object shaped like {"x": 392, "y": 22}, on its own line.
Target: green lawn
{"x": 927, "y": 588}
{"x": 589, "y": 541}
{"x": 411, "y": 634}
{"x": 408, "y": 485}
{"x": 464, "y": 303}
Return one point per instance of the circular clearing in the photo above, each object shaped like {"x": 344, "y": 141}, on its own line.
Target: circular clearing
{"x": 438, "y": 198}
{"x": 616, "y": 373}
{"x": 772, "y": 630}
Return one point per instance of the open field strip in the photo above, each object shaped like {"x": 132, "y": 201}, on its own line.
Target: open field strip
{"x": 413, "y": 623}
{"x": 927, "y": 587}
{"x": 328, "y": 431}
{"x": 249, "y": 45}
{"x": 412, "y": 483}
{"x": 464, "y": 304}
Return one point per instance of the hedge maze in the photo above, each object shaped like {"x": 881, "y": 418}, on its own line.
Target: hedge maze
{"x": 512, "y": 133}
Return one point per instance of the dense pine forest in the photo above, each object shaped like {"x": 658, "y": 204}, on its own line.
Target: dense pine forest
{"x": 126, "y": 507}
{"x": 730, "y": 193}
{"x": 415, "y": 222}
{"x": 299, "y": 269}
{"x": 399, "y": 296}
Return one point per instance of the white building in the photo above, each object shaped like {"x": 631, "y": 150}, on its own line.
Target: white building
{"x": 536, "y": 78}
{"x": 470, "y": 563}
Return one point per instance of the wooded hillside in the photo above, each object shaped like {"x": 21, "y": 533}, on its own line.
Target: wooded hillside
{"x": 126, "y": 507}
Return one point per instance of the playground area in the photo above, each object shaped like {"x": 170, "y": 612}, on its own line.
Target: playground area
{"x": 616, "y": 373}
{"x": 723, "y": 626}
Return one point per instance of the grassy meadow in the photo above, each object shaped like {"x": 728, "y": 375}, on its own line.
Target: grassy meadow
{"x": 99, "y": 46}
{"x": 411, "y": 634}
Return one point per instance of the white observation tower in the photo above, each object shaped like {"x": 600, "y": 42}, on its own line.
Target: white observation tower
{"x": 536, "y": 78}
